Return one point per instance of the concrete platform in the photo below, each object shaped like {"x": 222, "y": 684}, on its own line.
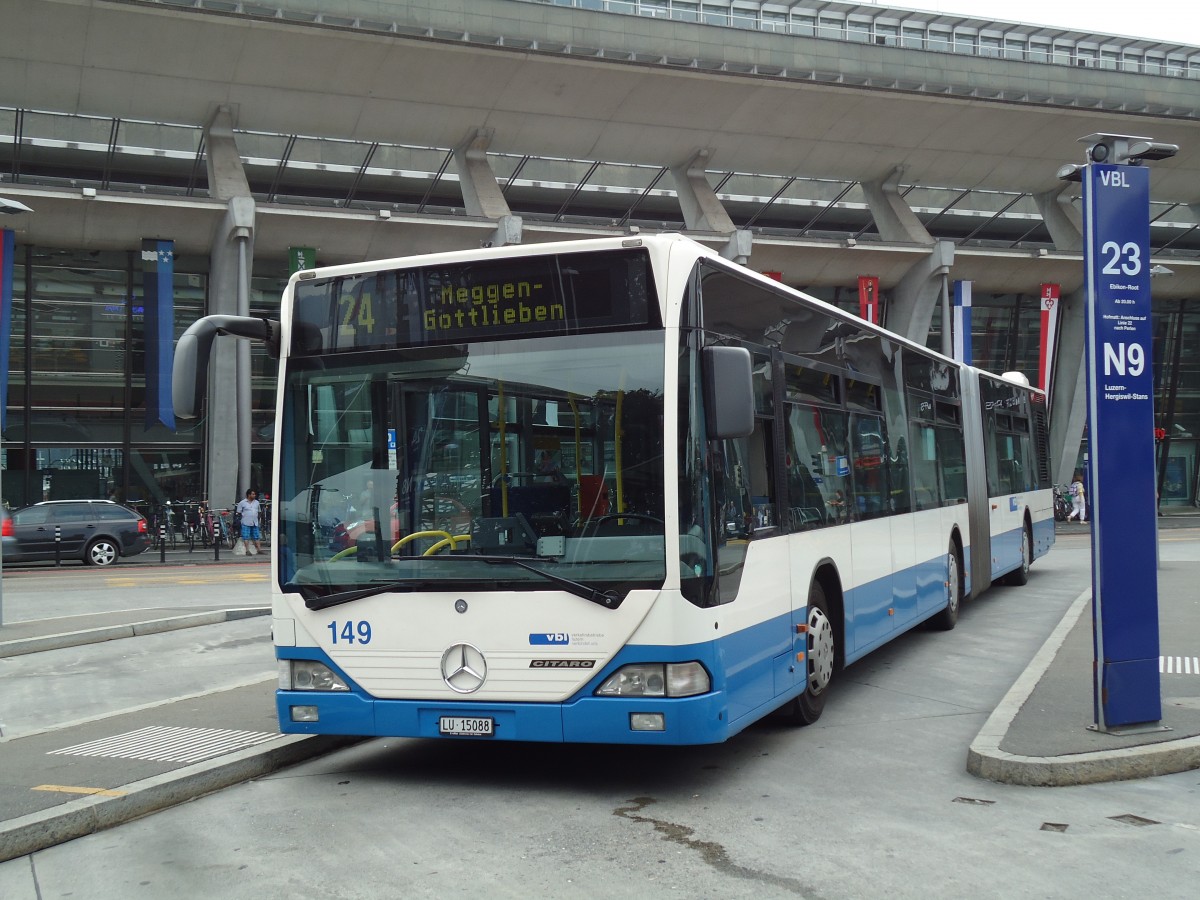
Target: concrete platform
{"x": 67, "y": 782}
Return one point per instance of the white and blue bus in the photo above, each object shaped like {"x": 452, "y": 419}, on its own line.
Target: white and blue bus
{"x": 617, "y": 490}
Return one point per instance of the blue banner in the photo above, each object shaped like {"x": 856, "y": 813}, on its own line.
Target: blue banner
{"x": 1121, "y": 443}
{"x": 962, "y": 321}
{"x": 158, "y": 288}
{"x": 7, "y": 244}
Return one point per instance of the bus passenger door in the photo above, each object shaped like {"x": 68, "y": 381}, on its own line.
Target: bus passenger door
{"x": 881, "y": 542}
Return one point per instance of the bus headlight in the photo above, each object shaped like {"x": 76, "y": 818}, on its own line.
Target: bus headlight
{"x": 657, "y": 680}
{"x": 306, "y": 675}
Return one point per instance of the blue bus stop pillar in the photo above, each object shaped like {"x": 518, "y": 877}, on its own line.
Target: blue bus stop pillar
{"x": 1121, "y": 446}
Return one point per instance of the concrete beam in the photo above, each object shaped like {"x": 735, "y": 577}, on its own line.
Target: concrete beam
{"x": 738, "y": 247}
{"x": 918, "y": 293}
{"x": 1063, "y": 220}
{"x": 894, "y": 218}
{"x": 481, "y": 193}
{"x": 702, "y": 211}
{"x": 508, "y": 231}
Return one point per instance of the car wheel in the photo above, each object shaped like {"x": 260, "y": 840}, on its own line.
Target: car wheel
{"x": 102, "y": 552}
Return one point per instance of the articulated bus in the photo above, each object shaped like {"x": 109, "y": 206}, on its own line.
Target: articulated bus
{"x": 617, "y": 490}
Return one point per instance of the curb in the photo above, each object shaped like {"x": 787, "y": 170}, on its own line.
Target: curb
{"x": 23, "y": 646}
{"x": 37, "y": 831}
{"x": 986, "y": 760}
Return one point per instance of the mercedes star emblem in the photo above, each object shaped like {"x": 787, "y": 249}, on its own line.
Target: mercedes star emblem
{"x": 464, "y": 668}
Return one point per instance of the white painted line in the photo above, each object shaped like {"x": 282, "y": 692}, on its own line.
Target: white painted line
{"x": 1179, "y": 665}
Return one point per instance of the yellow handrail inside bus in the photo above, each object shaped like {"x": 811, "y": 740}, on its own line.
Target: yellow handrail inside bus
{"x": 453, "y": 541}
{"x": 502, "y": 413}
{"x": 409, "y": 538}
{"x": 617, "y": 455}
{"x": 578, "y": 452}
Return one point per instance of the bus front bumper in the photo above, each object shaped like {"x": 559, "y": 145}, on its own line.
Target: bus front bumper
{"x": 689, "y": 720}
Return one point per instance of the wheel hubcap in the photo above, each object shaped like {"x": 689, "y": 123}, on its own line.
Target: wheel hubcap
{"x": 820, "y": 650}
{"x": 952, "y": 580}
{"x": 103, "y": 554}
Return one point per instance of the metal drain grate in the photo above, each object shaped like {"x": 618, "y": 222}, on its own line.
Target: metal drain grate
{"x": 1179, "y": 665}
{"x": 160, "y": 743}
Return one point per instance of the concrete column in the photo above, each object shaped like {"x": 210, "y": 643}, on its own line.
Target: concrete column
{"x": 1068, "y": 410}
{"x": 894, "y": 218}
{"x": 481, "y": 192}
{"x": 1063, "y": 220}
{"x": 703, "y": 211}
{"x": 231, "y": 262}
{"x": 916, "y": 297}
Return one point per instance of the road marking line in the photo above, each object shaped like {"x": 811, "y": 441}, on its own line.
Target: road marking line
{"x": 1179, "y": 665}
{"x": 67, "y": 789}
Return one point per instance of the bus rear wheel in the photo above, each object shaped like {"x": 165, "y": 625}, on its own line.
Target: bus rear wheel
{"x": 819, "y": 660}
{"x": 948, "y": 617}
{"x": 1020, "y": 575}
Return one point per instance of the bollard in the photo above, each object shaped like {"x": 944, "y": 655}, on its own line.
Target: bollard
{"x": 162, "y": 541}
{"x": 216, "y": 533}
{"x": 58, "y": 545}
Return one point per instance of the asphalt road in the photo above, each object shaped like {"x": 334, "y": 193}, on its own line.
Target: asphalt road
{"x": 873, "y": 801}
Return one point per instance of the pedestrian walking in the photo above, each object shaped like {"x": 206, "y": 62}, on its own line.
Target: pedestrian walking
{"x": 249, "y": 512}
{"x": 1078, "y": 499}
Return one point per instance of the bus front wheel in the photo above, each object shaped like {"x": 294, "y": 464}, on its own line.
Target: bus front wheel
{"x": 820, "y": 656}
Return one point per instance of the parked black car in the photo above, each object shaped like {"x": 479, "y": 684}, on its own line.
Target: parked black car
{"x": 99, "y": 532}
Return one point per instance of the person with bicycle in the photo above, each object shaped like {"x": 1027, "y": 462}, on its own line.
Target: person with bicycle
{"x": 249, "y": 512}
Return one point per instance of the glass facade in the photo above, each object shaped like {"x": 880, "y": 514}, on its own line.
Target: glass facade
{"x": 76, "y": 425}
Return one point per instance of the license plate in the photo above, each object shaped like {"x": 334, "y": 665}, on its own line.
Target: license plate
{"x": 467, "y": 726}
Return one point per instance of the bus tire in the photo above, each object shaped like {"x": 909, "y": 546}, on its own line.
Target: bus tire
{"x": 819, "y": 660}
{"x": 948, "y": 617}
{"x": 1020, "y": 575}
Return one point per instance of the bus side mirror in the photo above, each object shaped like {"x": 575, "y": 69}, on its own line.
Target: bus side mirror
{"x": 728, "y": 392}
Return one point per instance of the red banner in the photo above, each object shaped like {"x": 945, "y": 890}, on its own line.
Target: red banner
{"x": 1049, "y": 334}
{"x": 868, "y": 298}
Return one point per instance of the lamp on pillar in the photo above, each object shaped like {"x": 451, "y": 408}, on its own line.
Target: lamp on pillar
{"x": 8, "y": 208}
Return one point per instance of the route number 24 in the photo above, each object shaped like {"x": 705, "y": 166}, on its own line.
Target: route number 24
{"x": 1125, "y": 258}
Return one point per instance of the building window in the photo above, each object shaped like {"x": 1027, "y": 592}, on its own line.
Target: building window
{"x": 913, "y": 36}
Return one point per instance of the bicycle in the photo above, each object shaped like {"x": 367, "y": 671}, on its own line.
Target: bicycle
{"x": 228, "y": 535}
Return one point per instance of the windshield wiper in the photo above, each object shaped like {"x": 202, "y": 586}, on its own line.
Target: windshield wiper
{"x": 607, "y": 599}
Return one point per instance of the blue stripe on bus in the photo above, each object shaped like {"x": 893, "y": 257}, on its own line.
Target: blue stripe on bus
{"x": 753, "y": 670}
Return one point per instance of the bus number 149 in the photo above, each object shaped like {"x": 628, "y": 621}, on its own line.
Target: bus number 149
{"x": 350, "y": 632}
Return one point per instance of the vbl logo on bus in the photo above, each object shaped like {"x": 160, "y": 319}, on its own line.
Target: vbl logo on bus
{"x": 549, "y": 639}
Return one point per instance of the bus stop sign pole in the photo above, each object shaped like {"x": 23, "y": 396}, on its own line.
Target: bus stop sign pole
{"x": 1116, "y": 203}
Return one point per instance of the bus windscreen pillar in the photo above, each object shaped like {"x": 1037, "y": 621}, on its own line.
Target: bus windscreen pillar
{"x": 1116, "y": 197}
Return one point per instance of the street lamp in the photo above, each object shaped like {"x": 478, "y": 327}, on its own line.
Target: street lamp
{"x": 7, "y": 208}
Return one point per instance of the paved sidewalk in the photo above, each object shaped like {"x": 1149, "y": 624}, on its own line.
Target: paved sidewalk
{"x": 1040, "y": 734}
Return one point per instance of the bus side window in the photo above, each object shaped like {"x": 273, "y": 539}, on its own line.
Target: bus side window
{"x": 745, "y": 502}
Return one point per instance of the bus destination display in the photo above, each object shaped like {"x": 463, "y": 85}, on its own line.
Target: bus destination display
{"x": 484, "y": 300}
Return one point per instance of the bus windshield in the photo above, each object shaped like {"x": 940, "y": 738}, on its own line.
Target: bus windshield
{"x": 419, "y": 468}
